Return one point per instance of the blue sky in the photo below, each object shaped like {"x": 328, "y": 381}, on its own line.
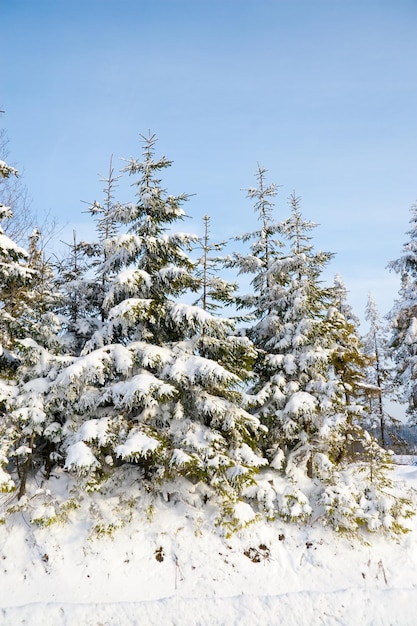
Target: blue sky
{"x": 323, "y": 93}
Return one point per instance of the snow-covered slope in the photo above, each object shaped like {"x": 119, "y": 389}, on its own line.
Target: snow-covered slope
{"x": 172, "y": 569}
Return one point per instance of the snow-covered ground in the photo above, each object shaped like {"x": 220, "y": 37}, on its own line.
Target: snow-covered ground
{"x": 173, "y": 570}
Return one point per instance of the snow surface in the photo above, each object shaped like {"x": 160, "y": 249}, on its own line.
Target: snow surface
{"x": 167, "y": 566}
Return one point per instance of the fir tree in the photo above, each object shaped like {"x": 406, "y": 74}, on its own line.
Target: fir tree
{"x": 295, "y": 394}
{"x": 304, "y": 403}
{"x": 149, "y": 262}
{"x": 77, "y": 307}
{"x": 43, "y": 297}
{"x": 215, "y": 292}
{"x": 264, "y": 246}
{"x": 403, "y": 320}
{"x": 100, "y": 272}
{"x": 15, "y": 277}
{"x": 294, "y": 384}
{"x": 379, "y": 371}
{"x": 233, "y": 350}
{"x": 156, "y": 387}
{"x": 350, "y": 364}
{"x": 29, "y": 330}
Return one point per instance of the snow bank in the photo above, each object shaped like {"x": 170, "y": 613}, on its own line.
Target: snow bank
{"x": 166, "y": 567}
{"x": 347, "y": 607}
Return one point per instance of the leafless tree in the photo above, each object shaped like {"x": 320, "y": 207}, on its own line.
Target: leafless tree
{"x": 15, "y": 195}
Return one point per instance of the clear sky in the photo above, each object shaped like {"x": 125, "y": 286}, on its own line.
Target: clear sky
{"x": 323, "y": 93}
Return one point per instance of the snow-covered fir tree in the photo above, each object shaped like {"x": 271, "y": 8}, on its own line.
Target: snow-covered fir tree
{"x": 43, "y": 297}
{"x": 155, "y": 389}
{"x": 233, "y": 350}
{"x": 40, "y": 348}
{"x": 350, "y": 363}
{"x": 263, "y": 246}
{"x": 349, "y": 360}
{"x": 379, "y": 371}
{"x": 84, "y": 275}
{"x": 291, "y": 329}
{"x": 303, "y": 406}
{"x": 29, "y": 330}
{"x": 15, "y": 276}
{"x": 214, "y": 290}
{"x": 299, "y": 401}
{"x": 403, "y": 321}
{"x": 77, "y": 306}
{"x": 99, "y": 275}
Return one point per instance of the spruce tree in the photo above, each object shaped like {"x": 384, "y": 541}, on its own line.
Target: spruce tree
{"x": 379, "y": 371}
{"x": 78, "y": 311}
{"x": 232, "y": 349}
{"x": 403, "y": 321}
{"x": 84, "y": 275}
{"x": 291, "y": 332}
{"x": 29, "y": 329}
{"x": 264, "y": 246}
{"x": 15, "y": 276}
{"x": 303, "y": 400}
{"x": 99, "y": 273}
{"x": 350, "y": 363}
{"x": 155, "y": 388}
{"x": 295, "y": 394}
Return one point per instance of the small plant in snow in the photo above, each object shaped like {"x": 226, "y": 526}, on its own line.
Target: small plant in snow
{"x": 259, "y": 554}
{"x": 235, "y": 515}
{"x": 160, "y": 554}
{"x": 363, "y": 495}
